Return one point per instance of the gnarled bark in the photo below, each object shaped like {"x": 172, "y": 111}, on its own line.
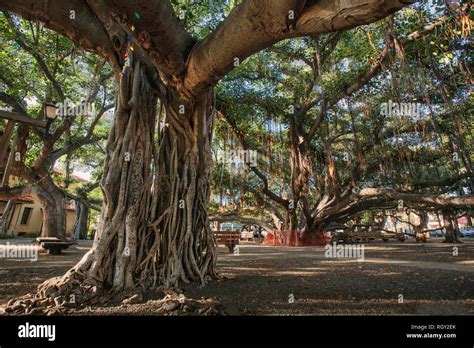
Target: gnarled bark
{"x": 151, "y": 234}
{"x": 82, "y": 221}
{"x": 187, "y": 248}
{"x": 52, "y": 201}
{"x": 6, "y": 218}
{"x": 113, "y": 262}
{"x": 452, "y": 233}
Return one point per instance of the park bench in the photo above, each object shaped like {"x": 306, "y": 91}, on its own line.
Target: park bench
{"x": 228, "y": 238}
{"x": 53, "y": 245}
{"x": 246, "y": 235}
{"x": 364, "y": 234}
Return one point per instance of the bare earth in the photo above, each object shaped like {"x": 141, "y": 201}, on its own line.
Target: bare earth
{"x": 263, "y": 280}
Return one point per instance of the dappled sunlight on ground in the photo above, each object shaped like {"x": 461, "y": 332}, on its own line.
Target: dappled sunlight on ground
{"x": 430, "y": 279}
{"x": 262, "y": 279}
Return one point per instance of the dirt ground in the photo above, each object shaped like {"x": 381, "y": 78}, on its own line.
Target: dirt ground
{"x": 393, "y": 278}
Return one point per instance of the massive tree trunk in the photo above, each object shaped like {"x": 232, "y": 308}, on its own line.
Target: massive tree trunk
{"x": 52, "y": 200}
{"x": 82, "y": 221}
{"x": 452, "y": 234}
{"x": 120, "y": 247}
{"x": 186, "y": 247}
{"x": 422, "y": 226}
{"x": 6, "y": 218}
{"x": 291, "y": 228}
{"x": 306, "y": 232}
{"x": 152, "y": 233}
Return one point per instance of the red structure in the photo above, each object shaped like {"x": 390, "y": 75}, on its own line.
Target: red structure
{"x": 296, "y": 238}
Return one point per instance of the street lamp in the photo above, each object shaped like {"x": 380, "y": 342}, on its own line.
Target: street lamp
{"x": 50, "y": 112}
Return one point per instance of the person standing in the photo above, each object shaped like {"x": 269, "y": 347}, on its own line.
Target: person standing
{"x": 255, "y": 234}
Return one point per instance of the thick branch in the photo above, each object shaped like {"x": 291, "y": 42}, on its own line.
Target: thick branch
{"x": 7, "y": 193}
{"x": 85, "y": 29}
{"x": 257, "y": 24}
{"x": 160, "y": 33}
{"x": 433, "y": 200}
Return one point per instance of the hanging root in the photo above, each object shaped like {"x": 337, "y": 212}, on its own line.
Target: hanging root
{"x": 186, "y": 249}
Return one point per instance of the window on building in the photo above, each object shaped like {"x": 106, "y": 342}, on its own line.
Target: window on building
{"x": 26, "y": 215}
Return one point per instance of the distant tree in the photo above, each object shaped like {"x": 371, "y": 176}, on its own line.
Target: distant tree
{"x": 57, "y": 73}
{"x": 347, "y": 155}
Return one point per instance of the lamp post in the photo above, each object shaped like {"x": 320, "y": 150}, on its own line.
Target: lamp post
{"x": 50, "y": 113}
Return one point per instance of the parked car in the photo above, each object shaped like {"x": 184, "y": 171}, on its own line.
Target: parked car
{"x": 437, "y": 233}
{"x": 364, "y": 235}
{"x": 467, "y": 231}
{"x": 231, "y": 226}
{"x": 386, "y": 236}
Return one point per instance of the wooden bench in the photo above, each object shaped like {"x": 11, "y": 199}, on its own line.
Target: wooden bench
{"x": 247, "y": 235}
{"x": 53, "y": 245}
{"x": 228, "y": 238}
